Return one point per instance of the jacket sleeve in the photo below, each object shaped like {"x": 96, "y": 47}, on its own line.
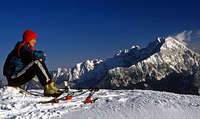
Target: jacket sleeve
{"x": 28, "y": 54}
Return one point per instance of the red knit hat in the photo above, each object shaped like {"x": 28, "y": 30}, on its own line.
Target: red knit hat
{"x": 27, "y": 36}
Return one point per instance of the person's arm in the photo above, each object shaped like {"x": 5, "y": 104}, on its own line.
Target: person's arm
{"x": 28, "y": 54}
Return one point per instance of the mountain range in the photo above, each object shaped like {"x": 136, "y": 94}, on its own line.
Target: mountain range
{"x": 165, "y": 64}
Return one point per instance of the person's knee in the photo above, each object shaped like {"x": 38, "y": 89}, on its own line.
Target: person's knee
{"x": 36, "y": 62}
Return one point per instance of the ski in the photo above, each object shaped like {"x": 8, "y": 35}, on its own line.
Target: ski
{"x": 69, "y": 96}
{"x": 89, "y": 98}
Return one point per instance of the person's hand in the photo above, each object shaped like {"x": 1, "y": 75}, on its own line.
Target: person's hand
{"x": 40, "y": 60}
{"x": 45, "y": 54}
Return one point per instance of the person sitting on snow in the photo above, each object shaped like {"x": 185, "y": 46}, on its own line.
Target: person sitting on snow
{"x": 24, "y": 63}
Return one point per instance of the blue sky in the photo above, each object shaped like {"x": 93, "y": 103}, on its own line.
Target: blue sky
{"x": 73, "y": 31}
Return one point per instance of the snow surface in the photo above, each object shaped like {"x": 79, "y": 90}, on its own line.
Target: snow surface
{"x": 113, "y": 104}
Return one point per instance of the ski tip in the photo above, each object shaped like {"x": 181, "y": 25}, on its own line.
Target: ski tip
{"x": 88, "y": 100}
{"x": 68, "y": 98}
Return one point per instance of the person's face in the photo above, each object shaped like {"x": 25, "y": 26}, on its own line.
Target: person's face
{"x": 32, "y": 42}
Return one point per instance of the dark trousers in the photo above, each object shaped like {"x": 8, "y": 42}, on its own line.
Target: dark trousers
{"x": 35, "y": 68}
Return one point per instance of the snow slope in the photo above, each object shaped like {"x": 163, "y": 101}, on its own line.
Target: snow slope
{"x": 113, "y": 104}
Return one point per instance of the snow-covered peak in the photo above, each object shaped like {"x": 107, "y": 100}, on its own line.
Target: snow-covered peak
{"x": 172, "y": 43}
{"x": 132, "y": 49}
{"x": 135, "y": 47}
{"x": 88, "y": 64}
{"x": 160, "y": 45}
{"x": 59, "y": 70}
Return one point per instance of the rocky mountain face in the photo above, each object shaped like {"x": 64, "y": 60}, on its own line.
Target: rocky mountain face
{"x": 171, "y": 67}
